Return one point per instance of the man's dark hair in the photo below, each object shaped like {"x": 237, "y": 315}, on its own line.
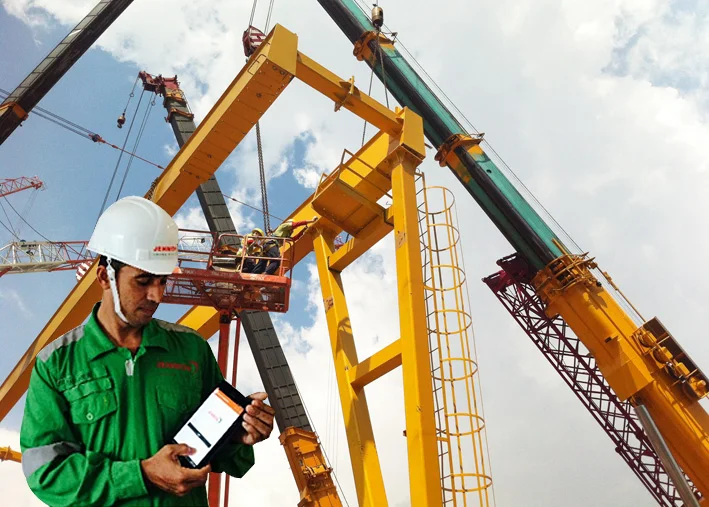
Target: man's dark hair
{"x": 117, "y": 265}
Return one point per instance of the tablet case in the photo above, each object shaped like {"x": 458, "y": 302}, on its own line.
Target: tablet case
{"x": 240, "y": 399}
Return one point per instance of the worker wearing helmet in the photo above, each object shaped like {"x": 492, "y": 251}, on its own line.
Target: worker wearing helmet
{"x": 272, "y": 247}
{"x": 106, "y": 398}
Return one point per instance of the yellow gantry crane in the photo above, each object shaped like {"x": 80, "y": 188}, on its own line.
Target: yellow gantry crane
{"x": 386, "y": 162}
{"x": 641, "y": 361}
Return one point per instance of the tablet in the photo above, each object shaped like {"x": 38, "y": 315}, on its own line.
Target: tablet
{"x": 212, "y": 424}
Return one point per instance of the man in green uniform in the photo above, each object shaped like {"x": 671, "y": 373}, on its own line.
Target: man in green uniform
{"x": 106, "y": 398}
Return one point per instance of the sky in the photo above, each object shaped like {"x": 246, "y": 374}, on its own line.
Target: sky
{"x": 600, "y": 108}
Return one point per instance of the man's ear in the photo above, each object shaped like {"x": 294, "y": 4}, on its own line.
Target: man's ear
{"x": 102, "y": 277}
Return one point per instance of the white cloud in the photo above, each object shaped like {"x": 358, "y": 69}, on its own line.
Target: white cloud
{"x": 309, "y": 176}
{"x": 599, "y": 107}
{"x": 14, "y": 298}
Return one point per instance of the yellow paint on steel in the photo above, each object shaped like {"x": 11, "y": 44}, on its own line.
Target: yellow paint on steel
{"x": 424, "y": 478}
{"x": 314, "y": 477}
{"x": 378, "y": 364}
{"x": 340, "y": 91}
{"x": 462, "y": 439}
{"x": 365, "y": 173}
{"x": 570, "y": 290}
{"x": 366, "y": 239}
{"x": 254, "y": 89}
{"x": 7, "y": 454}
{"x": 367, "y": 472}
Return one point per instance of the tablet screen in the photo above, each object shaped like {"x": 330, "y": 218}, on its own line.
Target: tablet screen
{"x": 204, "y": 429}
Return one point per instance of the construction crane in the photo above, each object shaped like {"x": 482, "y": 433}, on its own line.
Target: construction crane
{"x": 20, "y": 257}
{"x": 641, "y": 362}
{"x": 11, "y": 186}
{"x": 40, "y": 256}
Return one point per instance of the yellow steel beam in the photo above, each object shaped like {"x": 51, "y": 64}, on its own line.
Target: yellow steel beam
{"x": 633, "y": 372}
{"x": 7, "y": 454}
{"x": 314, "y": 478}
{"x": 366, "y": 173}
{"x": 378, "y": 364}
{"x": 370, "y": 236}
{"x": 360, "y": 437}
{"x": 346, "y": 95}
{"x": 424, "y": 479}
{"x": 244, "y": 101}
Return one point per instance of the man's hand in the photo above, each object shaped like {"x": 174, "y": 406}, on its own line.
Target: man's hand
{"x": 164, "y": 470}
{"x": 258, "y": 420}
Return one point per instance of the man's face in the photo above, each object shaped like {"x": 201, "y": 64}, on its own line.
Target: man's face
{"x": 140, "y": 294}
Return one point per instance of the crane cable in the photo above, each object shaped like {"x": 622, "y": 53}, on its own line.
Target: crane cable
{"x": 10, "y": 229}
{"x": 120, "y": 156}
{"x": 378, "y": 55}
{"x": 262, "y": 178}
{"x": 130, "y": 97}
{"x": 78, "y": 129}
{"x": 259, "y": 144}
{"x": 148, "y": 110}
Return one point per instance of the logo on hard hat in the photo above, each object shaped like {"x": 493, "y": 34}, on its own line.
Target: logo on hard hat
{"x": 165, "y": 248}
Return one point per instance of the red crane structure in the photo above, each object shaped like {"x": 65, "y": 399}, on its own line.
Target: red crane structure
{"x": 14, "y": 185}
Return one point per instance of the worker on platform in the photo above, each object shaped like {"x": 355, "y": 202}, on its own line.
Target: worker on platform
{"x": 272, "y": 247}
{"x": 106, "y": 398}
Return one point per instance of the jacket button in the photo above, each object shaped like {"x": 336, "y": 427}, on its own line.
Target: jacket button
{"x": 89, "y": 417}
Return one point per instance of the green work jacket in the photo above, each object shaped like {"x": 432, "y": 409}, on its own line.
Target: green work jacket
{"x": 93, "y": 411}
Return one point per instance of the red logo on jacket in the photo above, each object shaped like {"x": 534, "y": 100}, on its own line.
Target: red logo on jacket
{"x": 192, "y": 367}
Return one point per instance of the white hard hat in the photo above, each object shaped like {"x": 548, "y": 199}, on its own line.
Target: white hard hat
{"x": 139, "y": 233}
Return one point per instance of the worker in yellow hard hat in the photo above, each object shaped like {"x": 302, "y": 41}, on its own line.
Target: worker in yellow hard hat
{"x": 106, "y": 399}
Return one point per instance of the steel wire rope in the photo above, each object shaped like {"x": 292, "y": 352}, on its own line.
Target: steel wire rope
{"x": 259, "y": 149}
{"x": 25, "y": 221}
{"x": 79, "y": 130}
{"x": 369, "y": 92}
{"x": 8, "y": 229}
{"x": 535, "y": 203}
{"x": 465, "y": 119}
{"x": 28, "y": 207}
{"x": 120, "y": 155}
{"x": 252, "y": 207}
{"x": 132, "y": 94}
{"x": 11, "y": 229}
{"x": 139, "y": 137}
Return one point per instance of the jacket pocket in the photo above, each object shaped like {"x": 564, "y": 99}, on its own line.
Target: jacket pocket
{"x": 91, "y": 396}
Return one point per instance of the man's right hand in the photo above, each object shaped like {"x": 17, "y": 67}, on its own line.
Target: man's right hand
{"x": 165, "y": 471}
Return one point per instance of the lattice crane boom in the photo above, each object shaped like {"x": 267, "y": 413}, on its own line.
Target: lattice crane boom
{"x": 14, "y": 185}
{"x": 41, "y": 256}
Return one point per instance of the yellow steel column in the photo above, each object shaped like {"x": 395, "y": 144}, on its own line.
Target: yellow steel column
{"x": 424, "y": 479}
{"x": 360, "y": 438}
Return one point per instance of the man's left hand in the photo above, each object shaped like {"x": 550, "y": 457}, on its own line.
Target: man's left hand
{"x": 258, "y": 420}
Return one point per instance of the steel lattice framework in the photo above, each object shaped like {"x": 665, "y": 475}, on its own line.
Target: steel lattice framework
{"x": 11, "y": 186}
{"x": 40, "y": 256}
{"x": 578, "y": 369}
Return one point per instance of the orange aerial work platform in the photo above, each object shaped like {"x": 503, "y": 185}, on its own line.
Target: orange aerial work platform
{"x": 212, "y": 272}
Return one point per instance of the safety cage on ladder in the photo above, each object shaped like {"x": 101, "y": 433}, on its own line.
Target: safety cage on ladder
{"x": 231, "y": 272}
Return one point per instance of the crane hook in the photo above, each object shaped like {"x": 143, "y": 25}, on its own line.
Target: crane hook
{"x": 121, "y": 120}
